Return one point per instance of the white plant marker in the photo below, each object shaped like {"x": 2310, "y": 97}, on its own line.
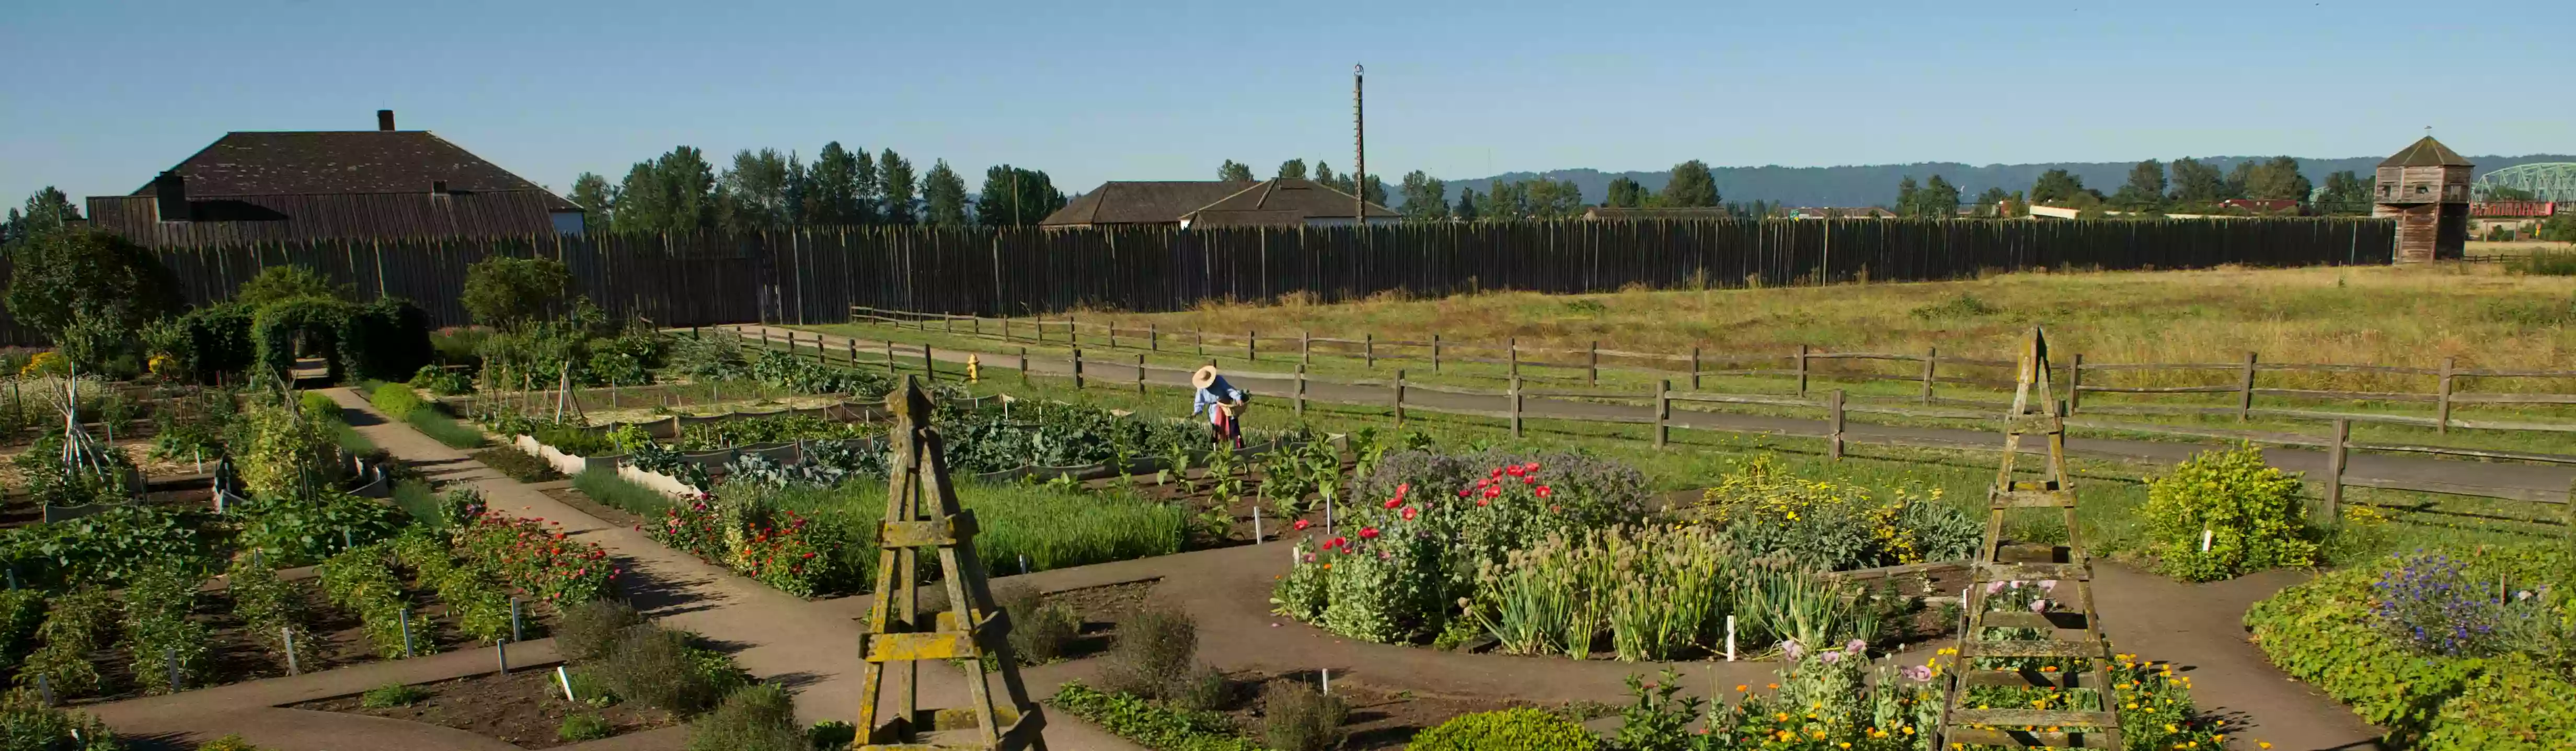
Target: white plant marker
{"x": 1328, "y": 681}
{"x": 566, "y": 678}
{"x": 2205, "y": 535}
{"x": 1256, "y": 525}
{"x": 1730, "y": 638}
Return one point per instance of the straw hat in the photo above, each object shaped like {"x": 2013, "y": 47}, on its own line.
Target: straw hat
{"x": 1205, "y": 377}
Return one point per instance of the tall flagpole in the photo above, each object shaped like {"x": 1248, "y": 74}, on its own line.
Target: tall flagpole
{"x": 1359, "y": 145}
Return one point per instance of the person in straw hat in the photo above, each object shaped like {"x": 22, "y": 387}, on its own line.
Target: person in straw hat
{"x": 1223, "y": 403}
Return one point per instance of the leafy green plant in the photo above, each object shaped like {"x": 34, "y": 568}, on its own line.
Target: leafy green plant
{"x": 297, "y": 531}
{"x": 73, "y": 623}
{"x": 756, "y": 718}
{"x": 362, "y": 581}
{"x": 392, "y": 695}
{"x": 159, "y": 633}
{"x": 1151, "y": 725}
{"x": 396, "y": 400}
{"x": 667, "y": 670}
{"x": 27, "y": 725}
{"x": 1154, "y": 651}
{"x": 1835, "y": 526}
{"x": 1296, "y": 717}
{"x": 518, "y": 465}
{"x": 506, "y": 292}
{"x": 604, "y": 486}
{"x": 584, "y": 726}
{"x": 269, "y": 608}
{"x": 442, "y": 381}
{"x": 1515, "y": 729}
{"x": 22, "y": 612}
{"x": 1040, "y": 631}
{"x": 2226, "y": 513}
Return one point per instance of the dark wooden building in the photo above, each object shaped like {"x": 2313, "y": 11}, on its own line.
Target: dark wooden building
{"x": 326, "y": 185}
{"x": 2426, "y": 189}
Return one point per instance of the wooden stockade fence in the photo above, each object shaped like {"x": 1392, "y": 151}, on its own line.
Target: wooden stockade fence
{"x": 814, "y": 275}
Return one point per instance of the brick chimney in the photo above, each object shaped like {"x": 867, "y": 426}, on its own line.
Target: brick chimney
{"x": 385, "y": 120}
{"x": 170, "y": 197}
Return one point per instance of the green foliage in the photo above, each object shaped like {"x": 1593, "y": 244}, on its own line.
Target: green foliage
{"x": 602, "y": 484}
{"x": 1835, "y": 526}
{"x": 231, "y": 743}
{"x": 518, "y": 465}
{"x": 1691, "y": 186}
{"x": 2250, "y": 512}
{"x": 1515, "y": 729}
{"x": 2545, "y": 262}
{"x": 584, "y": 726}
{"x": 441, "y": 381}
{"x": 26, "y": 725}
{"x": 269, "y": 608}
{"x": 278, "y": 327}
{"x": 293, "y": 531}
{"x": 1052, "y": 528}
{"x": 1040, "y": 630}
{"x": 586, "y": 631}
{"x": 107, "y": 548}
{"x": 22, "y": 612}
{"x": 1155, "y": 649}
{"x": 755, "y": 718}
{"x": 286, "y": 452}
{"x": 1296, "y": 717}
{"x": 74, "y": 623}
{"x": 90, "y": 475}
{"x": 62, "y": 275}
{"x": 1151, "y": 725}
{"x": 217, "y": 339}
{"x": 159, "y": 631}
{"x": 361, "y": 580}
{"x": 383, "y": 340}
{"x": 1962, "y": 305}
{"x": 392, "y": 695}
{"x": 288, "y": 282}
{"x": 943, "y": 196}
{"x": 506, "y": 293}
{"x": 528, "y": 555}
{"x": 666, "y": 670}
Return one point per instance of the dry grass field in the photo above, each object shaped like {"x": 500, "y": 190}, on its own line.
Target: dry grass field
{"x": 2480, "y": 313}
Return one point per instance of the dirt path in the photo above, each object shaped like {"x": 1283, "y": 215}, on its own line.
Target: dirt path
{"x": 2526, "y": 481}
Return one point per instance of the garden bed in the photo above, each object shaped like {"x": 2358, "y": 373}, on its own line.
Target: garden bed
{"x": 525, "y": 708}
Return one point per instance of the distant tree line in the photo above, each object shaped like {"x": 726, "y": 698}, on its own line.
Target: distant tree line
{"x": 1426, "y": 198}
{"x": 680, "y": 191}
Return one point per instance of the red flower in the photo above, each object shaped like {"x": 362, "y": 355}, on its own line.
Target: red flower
{"x": 1408, "y": 513}
{"x": 1368, "y": 533}
{"x": 1529, "y": 480}
{"x": 1398, "y": 500}
{"x": 1545, "y": 491}
{"x": 1462, "y": 492}
{"x": 1302, "y": 524}
{"x": 1483, "y": 502}
{"x": 1337, "y": 542}
{"x": 1402, "y": 488}
{"x": 1498, "y": 472}
{"x": 1493, "y": 493}
{"x": 1516, "y": 470}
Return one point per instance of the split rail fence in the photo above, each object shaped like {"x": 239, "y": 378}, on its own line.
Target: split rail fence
{"x": 1834, "y": 404}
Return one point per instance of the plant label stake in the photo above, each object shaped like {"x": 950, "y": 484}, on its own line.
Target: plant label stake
{"x": 406, "y": 631}
{"x": 566, "y": 679}
{"x": 346, "y": 541}
{"x": 291, "y": 667}
{"x": 1730, "y": 638}
{"x": 1256, "y": 525}
{"x": 2205, "y": 535}
{"x": 515, "y": 633}
{"x": 170, "y": 656}
{"x": 1328, "y": 681}
{"x": 501, "y": 649}
{"x": 45, "y": 690}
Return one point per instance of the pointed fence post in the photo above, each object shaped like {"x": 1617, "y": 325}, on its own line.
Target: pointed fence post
{"x": 2074, "y": 382}
{"x": 1694, "y": 368}
{"x": 1305, "y": 348}
{"x": 1368, "y": 349}
{"x": 2442, "y": 421}
{"x": 1592, "y": 364}
{"x": 1024, "y": 366}
{"x": 1140, "y": 375}
{"x": 1435, "y": 352}
{"x": 1251, "y": 346}
{"x": 2245, "y": 392}
{"x": 1802, "y": 370}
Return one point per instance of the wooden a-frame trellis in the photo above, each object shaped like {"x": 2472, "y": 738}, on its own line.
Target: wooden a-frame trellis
{"x": 922, "y": 512}
{"x": 2073, "y": 635}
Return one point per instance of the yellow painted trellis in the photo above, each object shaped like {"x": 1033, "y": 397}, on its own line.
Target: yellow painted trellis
{"x": 2074, "y": 635}
{"x": 922, "y": 512}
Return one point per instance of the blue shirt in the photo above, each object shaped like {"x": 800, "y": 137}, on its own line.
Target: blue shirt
{"x": 1215, "y": 393}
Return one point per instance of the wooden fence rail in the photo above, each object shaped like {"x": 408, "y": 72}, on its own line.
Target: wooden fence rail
{"x": 1832, "y": 405}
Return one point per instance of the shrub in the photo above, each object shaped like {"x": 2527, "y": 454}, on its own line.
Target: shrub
{"x": 664, "y": 669}
{"x": 1040, "y": 631}
{"x": 360, "y": 580}
{"x": 61, "y": 275}
{"x": 1296, "y": 717}
{"x": 384, "y": 340}
{"x": 159, "y": 631}
{"x": 286, "y": 283}
{"x": 586, "y": 631}
{"x": 548, "y": 565}
{"x": 1590, "y": 492}
{"x": 22, "y": 611}
{"x": 230, "y": 743}
{"x": 73, "y": 623}
{"x": 584, "y": 726}
{"x": 297, "y": 531}
{"x": 441, "y": 381}
{"x": 26, "y": 725}
{"x": 392, "y": 695}
{"x": 216, "y": 339}
{"x": 756, "y": 718}
{"x": 395, "y": 400}
{"x": 287, "y": 452}
{"x": 505, "y": 292}
{"x": 1154, "y": 650}
{"x": 1836, "y": 527}
{"x": 268, "y": 607}
{"x": 2548, "y": 262}
{"x": 1151, "y": 725}
{"x": 2250, "y": 512}
{"x": 1515, "y": 729}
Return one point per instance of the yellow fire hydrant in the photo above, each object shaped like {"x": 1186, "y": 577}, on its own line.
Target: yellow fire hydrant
{"x": 974, "y": 369}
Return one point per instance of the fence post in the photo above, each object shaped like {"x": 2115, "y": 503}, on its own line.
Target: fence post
{"x": 929, "y": 371}
{"x": 1834, "y": 425}
{"x": 2245, "y": 402}
{"x": 1399, "y": 398}
{"x": 1300, "y": 399}
{"x": 1802, "y": 370}
{"x": 1072, "y": 331}
{"x": 1516, "y": 405}
{"x": 2075, "y": 383}
{"x": 1198, "y": 343}
{"x": 2443, "y": 420}
{"x": 1154, "y": 337}
{"x": 1515, "y": 344}
{"x": 1931, "y": 355}
{"x": 1435, "y": 352}
{"x": 170, "y": 656}
{"x": 1251, "y": 346}
{"x": 1077, "y": 368}
{"x": 1305, "y": 348}
{"x": 1024, "y": 366}
{"x": 1113, "y": 335}
{"x": 516, "y": 633}
{"x": 1039, "y": 322}
{"x": 1368, "y": 349}
{"x": 1593, "y": 364}
{"x": 1694, "y": 368}
{"x": 1663, "y": 411}
{"x": 890, "y": 357}
{"x": 2335, "y": 463}
{"x": 1140, "y": 375}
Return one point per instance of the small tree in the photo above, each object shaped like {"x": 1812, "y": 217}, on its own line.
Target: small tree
{"x": 286, "y": 283}
{"x": 507, "y": 293}
{"x": 65, "y": 274}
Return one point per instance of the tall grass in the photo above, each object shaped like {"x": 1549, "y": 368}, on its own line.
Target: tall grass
{"x": 435, "y": 423}
{"x": 1053, "y": 528}
{"x": 2544, "y": 263}
{"x": 603, "y": 485}
{"x": 415, "y": 497}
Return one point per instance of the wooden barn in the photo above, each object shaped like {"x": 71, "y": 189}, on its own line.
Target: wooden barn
{"x": 2426, "y": 189}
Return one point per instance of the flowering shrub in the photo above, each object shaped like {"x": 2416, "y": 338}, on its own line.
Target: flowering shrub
{"x": 775, "y": 546}
{"x": 545, "y": 564}
{"x": 2248, "y": 511}
{"x": 2426, "y": 601}
{"x": 1515, "y": 729}
{"x": 1587, "y": 492}
{"x": 1835, "y": 526}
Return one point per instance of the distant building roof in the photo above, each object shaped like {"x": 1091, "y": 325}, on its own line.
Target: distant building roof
{"x": 295, "y": 185}
{"x": 1840, "y": 212}
{"x": 1209, "y": 203}
{"x": 2426, "y": 153}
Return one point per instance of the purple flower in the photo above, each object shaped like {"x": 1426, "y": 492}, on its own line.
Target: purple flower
{"x": 1792, "y": 649}
{"x": 1830, "y": 656}
{"x": 1993, "y": 588}
{"x": 2039, "y": 606}
{"x": 1919, "y": 673}
{"x": 1856, "y": 646}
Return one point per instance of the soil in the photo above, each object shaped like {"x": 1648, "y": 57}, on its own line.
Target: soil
{"x": 524, "y": 708}
{"x": 1381, "y": 718}
{"x": 574, "y": 498}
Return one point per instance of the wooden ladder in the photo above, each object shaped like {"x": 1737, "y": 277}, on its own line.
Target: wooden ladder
{"x": 922, "y": 512}
{"x": 2074, "y": 635}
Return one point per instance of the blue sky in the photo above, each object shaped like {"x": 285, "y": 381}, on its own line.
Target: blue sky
{"x": 99, "y": 95}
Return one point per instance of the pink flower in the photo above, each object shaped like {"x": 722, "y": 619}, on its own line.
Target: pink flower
{"x": 1498, "y": 472}
{"x": 1483, "y": 502}
{"x": 1408, "y": 513}
{"x": 2039, "y": 606}
{"x": 1301, "y": 524}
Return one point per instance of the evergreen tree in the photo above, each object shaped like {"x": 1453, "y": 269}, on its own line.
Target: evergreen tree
{"x": 1990, "y": 203}
{"x": 2058, "y": 187}
{"x": 1426, "y": 198}
{"x": 2145, "y": 190}
{"x": 2345, "y": 194}
{"x": 47, "y": 209}
{"x": 1625, "y": 193}
{"x": 757, "y": 190}
{"x": 1466, "y": 211}
{"x": 1907, "y": 194}
{"x": 673, "y": 193}
{"x": 1293, "y": 169}
{"x": 1691, "y": 186}
{"x": 597, "y": 199}
{"x": 1016, "y": 197}
{"x": 836, "y": 191}
{"x": 1325, "y": 177}
{"x": 2278, "y": 179}
{"x": 1234, "y": 171}
{"x": 1938, "y": 200}
{"x": 943, "y": 196}
{"x": 895, "y": 187}
{"x": 2197, "y": 185}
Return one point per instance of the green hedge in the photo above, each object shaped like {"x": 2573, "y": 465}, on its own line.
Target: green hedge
{"x": 2323, "y": 632}
{"x": 1515, "y": 729}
